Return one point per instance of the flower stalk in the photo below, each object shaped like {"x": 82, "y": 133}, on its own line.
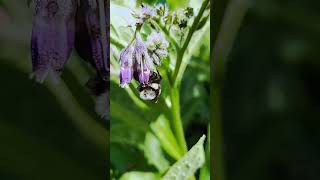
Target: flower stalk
{"x": 166, "y": 28}
{"x": 181, "y": 52}
{"x": 176, "y": 119}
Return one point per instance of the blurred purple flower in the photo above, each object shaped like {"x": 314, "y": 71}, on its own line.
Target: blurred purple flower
{"x": 58, "y": 26}
{"x": 52, "y": 36}
{"x": 89, "y": 42}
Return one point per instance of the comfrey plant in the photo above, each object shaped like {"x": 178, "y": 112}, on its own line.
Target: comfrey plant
{"x": 60, "y": 26}
{"x": 139, "y": 60}
{"x": 151, "y": 50}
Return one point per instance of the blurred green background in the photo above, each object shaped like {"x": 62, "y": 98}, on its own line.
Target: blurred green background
{"x": 270, "y": 97}
{"x": 46, "y": 131}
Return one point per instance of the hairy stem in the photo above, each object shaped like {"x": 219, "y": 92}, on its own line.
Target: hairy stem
{"x": 176, "y": 119}
{"x": 193, "y": 28}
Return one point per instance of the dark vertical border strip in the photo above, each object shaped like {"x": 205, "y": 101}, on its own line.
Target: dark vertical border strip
{"x": 217, "y": 169}
{"x": 229, "y": 17}
{"x": 107, "y": 9}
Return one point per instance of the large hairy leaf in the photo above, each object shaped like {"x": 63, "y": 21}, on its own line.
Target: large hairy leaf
{"x": 188, "y": 164}
{"x": 140, "y": 176}
{"x": 162, "y": 130}
{"x": 154, "y": 154}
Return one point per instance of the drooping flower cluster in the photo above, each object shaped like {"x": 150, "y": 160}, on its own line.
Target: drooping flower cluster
{"x": 59, "y": 26}
{"x": 138, "y": 61}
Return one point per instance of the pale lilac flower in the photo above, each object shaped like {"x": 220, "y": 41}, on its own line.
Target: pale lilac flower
{"x": 144, "y": 13}
{"x": 143, "y": 73}
{"x": 157, "y": 46}
{"x": 126, "y": 66}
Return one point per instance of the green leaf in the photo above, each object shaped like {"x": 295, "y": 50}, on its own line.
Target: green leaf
{"x": 154, "y": 154}
{"x": 120, "y": 21}
{"x": 124, "y": 158}
{"x": 162, "y": 130}
{"x": 189, "y": 163}
{"x": 203, "y": 22}
{"x": 205, "y": 170}
{"x": 120, "y": 134}
{"x": 197, "y": 39}
{"x": 174, "y": 4}
{"x": 140, "y": 176}
{"x": 126, "y": 3}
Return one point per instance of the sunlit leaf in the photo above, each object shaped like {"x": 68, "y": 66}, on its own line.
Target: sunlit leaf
{"x": 154, "y": 154}
{"x": 205, "y": 170}
{"x": 203, "y": 22}
{"x": 140, "y": 176}
{"x": 188, "y": 164}
{"x": 193, "y": 47}
{"x": 162, "y": 130}
{"x": 125, "y": 158}
{"x": 121, "y": 21}
{"x": 173, "y": 4}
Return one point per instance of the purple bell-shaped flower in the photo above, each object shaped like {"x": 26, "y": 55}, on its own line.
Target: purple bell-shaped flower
{"x": 143, "y": 62}
{"x": 126, "y": 66}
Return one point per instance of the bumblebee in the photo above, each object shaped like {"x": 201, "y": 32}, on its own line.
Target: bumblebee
{"x": 151, "y": 90}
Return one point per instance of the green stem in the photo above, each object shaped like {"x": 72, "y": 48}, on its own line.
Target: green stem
{"x": 174, "y": 93}
{"x": 176, "y": 119}
{"x": 116, "y": 43}
{"x": 193, "y": 28}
